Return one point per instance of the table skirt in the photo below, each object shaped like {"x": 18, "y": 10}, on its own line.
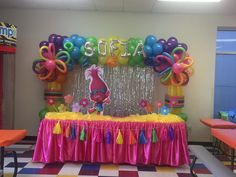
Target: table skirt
{"x": 169, "y": 149}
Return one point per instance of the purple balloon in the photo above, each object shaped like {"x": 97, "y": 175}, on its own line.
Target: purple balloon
{"x": 174, "y": 41}
{"x": 52, "y": 38}
{"x": 59, "y": 49}
{"x": 168, "y": 47}
{"x": 59, "y": 41}
{"x": 183, "y": 45}
{"x": 162, "y": 41}
{"x": 43, "y": 43}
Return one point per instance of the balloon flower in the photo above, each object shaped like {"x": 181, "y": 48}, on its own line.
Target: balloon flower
{"x": 143, "y": 103}
{"x": 146, "y": 105}
{"x": 165, "y": 110}
{"x": 62, "y": 108}
{"x": 50, "y": 64}
{"x": 158, "y": 105}
{"x": 51, "y": 103}
{"x": 68, "y": 99}
{"x": 174, "y": 68}
{"x": 75, "y": 107}
{"x": 84, "y": 102}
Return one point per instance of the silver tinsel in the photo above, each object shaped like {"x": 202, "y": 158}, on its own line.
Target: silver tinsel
{"x": 128, "y": 85}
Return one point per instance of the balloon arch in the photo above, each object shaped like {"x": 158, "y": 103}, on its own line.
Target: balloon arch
{"x": 168, "y": 58}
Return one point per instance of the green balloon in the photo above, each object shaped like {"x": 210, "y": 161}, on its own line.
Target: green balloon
{"x": 93, "y": 60}
{"x": 69, "y": 46}
{"x": 132, "y": 41}
{"x": 139, "y": 59}
{"x": 183, "y": 116}
{"x": 82, "y": 50}
{"x": 139, "y": 40}
{"x": 93, "y": 40}
{"x": 131, "y": 49}
{"x": 132, "y": 61}
{"x": 95, "y": 54}
{"x": 42, "y": 113}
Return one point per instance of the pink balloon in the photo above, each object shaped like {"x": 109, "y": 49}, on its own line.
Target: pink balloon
{"x": 176, "y": 57}
{"x": 177, "y": 68}
{"x": 50, "y": 65}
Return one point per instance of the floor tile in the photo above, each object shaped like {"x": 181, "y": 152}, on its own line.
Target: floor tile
{"x": 33, "y": 175}
{"x": 146, "y": 168}
{"x": 11, "y": 170}
{"x": 147, "y": 174}
{"x": 34, "y": 165}
{"x": 90, "y": 167}
{"x": 184, "y": 175}
{"x": 183, "y": 169}
{"x": 29, "y": 171}
{"x": 20, "y": 165}
{"x": 108, "y": 173}
{"x": 128, "y": 174}
{"x": 128, "y": 168}
{"x": 70, "y": 169}
{"x": 202, "y": 171}
{"x": 205, "y": 175}
{"x": 109, "y": 167}
{"x": 89, "y": 172}
{"x": 49, "y": 171}
{"x": 166, "y": 169}
{"x": 166, "y": 174}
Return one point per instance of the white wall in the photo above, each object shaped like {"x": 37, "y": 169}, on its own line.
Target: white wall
{"x": 197, "y": 31}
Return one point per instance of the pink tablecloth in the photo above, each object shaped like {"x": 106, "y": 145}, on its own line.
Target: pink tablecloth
{"x": 59, "y": 148}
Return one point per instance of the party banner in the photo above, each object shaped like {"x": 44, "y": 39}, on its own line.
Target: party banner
{"x": 7, "y": 37}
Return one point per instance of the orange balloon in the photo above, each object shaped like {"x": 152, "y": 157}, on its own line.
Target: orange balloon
{"x": 112, "y": 61}
{"x": 149, "y": 108}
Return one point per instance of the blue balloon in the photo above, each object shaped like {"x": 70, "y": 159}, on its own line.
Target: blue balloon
{"x": 157, "y": 49}
{"x": 79, "y": 41}
{"x": 75, "y": 53}
{"x": 67, "y": 40}
{"x": 74, "y": 37}
{"x": 150, "y": 40}
{"x": 148, "y": 50}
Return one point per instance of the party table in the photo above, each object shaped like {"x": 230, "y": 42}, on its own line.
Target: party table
{"x": 148, "y": 139}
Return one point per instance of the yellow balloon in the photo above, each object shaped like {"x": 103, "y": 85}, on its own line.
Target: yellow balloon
{"x": 103, "y": 47}
{"x": 102, "y": 60}
{"x": 123, "y": 60}
{"x": 123, "y": 57}
{"x": 113, "y": 46}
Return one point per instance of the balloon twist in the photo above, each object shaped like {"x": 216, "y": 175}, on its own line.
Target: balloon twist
{"x": 50, "y": 65}
{"x": 175, "y": 68}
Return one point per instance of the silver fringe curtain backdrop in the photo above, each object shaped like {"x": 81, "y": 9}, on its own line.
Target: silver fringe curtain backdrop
{"x": 128, "y": 85}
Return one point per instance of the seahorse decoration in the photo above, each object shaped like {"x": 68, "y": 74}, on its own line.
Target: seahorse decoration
{"x": 99, "y": 91}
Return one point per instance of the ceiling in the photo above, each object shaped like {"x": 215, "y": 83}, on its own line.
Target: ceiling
{"x": 227, "y": 7}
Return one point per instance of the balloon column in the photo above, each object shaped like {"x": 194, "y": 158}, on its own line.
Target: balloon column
{"x": 169, "y": 59}
{"x": 174, "y": 68}
{"x": 51, "y": 67}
